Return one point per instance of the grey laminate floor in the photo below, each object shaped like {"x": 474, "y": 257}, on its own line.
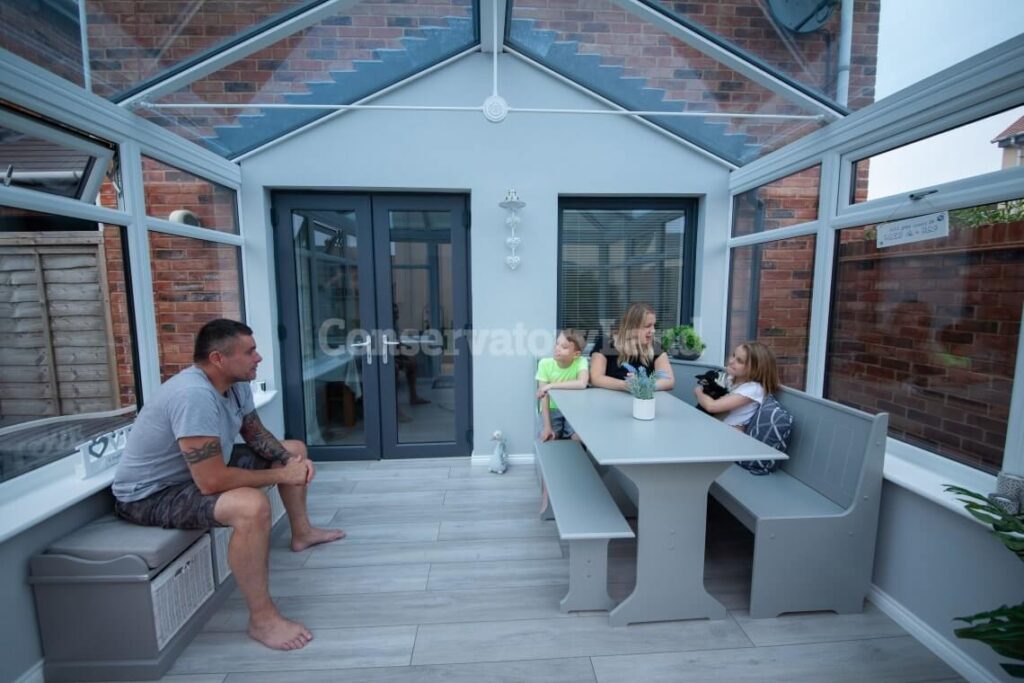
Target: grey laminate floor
{"x": 447, "y": 575}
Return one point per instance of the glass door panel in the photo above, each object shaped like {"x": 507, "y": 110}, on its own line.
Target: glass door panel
{"x": 421, "y": 308}
{"x": 328, "y": 359}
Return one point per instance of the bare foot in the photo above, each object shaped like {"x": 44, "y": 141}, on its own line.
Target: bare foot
{"x": 279, "y": 633}
{"x": 315, "y": 537}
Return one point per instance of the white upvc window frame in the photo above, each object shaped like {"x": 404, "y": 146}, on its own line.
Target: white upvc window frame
{"x": 983, "y": 85}
{"x": 37, "y": 495}
{"x": 100, "y": 153}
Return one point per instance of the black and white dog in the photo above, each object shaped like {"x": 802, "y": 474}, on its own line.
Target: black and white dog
{"x": 714, "y": 384}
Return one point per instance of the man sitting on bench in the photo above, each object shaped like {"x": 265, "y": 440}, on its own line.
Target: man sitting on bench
{"x": 173, "y": 472}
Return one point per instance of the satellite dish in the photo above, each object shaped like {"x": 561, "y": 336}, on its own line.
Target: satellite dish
{"x": 801, "y": 16}
{"x": 185, "y": 217}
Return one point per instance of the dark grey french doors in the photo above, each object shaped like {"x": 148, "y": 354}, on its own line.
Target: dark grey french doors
{"x": 373, "y": 304}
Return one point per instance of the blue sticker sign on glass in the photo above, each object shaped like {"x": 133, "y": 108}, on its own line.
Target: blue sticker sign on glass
{"x": 916, "y": 229}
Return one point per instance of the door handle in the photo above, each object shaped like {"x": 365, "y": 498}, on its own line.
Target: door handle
{"x": 369, "y": 349}
{"x": 384, "y": 347}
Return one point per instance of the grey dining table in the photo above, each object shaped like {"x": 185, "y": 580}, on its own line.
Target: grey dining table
{"x": 672, "y": 459}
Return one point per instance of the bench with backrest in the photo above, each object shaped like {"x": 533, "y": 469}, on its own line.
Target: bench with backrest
{"x": 814, "y": 519}
{"x": 587, "y": 518}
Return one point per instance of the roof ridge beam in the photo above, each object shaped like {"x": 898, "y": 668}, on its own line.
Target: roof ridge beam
{"x": 754, "y": 72}
{"x": 489, "y": 10}
{"x": 223, "y": 58}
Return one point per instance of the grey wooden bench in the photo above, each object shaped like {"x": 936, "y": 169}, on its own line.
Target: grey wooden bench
{"x": 587, "y": 519}
{"x": 815, "y": 519}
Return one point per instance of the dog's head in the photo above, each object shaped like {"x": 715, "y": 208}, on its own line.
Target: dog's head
{"x": 714, "y": 383}
{"x": 709, "y": 377}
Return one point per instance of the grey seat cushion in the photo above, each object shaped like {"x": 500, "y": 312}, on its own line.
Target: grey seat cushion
{"x": 109, "y": 537}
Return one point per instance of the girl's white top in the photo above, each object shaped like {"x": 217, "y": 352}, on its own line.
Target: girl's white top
{"x": 741, "y": 416}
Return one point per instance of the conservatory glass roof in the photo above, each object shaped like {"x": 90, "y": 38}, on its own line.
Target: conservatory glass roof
{"x": 737, "y": 79}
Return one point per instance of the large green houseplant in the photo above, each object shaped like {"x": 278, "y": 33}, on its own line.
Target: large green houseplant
{"x": 682, "y": 341}
{"x": 1002, "y": 629}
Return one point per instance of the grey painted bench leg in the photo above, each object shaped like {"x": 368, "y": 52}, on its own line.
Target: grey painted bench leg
{"x": 588, "y": 576}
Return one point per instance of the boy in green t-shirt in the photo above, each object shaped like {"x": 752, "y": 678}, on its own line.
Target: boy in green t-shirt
{"x": 566, "y": 369}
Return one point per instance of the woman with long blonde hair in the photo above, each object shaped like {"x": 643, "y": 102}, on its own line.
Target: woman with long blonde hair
{"x": 633, "y": 343}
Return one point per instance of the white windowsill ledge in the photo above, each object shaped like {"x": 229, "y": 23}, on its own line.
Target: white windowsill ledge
{"x": 40, "y": 494}
{"x": 926, "y": 474}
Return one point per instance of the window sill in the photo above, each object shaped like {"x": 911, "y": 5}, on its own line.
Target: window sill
{"x": 926, "y": 475}
{"x": 40, "y": 494}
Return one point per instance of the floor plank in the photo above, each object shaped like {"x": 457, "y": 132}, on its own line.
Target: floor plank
{"x": 577, "y": 670}
{"x": 878, "y": 660}
{"x": 582, "y": 636}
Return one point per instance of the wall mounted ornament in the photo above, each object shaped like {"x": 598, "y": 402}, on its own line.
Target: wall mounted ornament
{"x": 512, "y": 204}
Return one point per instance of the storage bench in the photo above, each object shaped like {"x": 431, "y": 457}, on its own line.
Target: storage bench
{"x": 118, "y": 601}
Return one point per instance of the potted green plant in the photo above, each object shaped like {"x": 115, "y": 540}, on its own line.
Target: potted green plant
{"x": 1002, "y": 629}
{"x": 641, "y": 386}
{"x": 683, "y": 342}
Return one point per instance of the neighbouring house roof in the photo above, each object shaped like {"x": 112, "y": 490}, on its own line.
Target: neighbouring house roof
{"x": 1009, "y": 136}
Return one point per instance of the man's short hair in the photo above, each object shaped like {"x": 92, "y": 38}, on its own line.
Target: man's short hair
{"x": 216, "y": 335}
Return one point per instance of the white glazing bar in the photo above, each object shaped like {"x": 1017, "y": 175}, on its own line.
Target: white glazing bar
{"x": 755, "y": 73}
{"x": 218, "y": 61}
{"x": 824, "y": 276}
{"x": 32, "y": 200}
{"x": 49, "y": 96}
{"x": 141, "y": 269}
{"x": 83, "y": 32}
{"x": 494, "y": 51}
{"x": 190, "y": 231}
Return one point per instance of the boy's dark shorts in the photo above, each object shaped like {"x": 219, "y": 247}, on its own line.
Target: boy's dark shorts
{"x": 183, "y": 506}
{"x": 560, "y": 426}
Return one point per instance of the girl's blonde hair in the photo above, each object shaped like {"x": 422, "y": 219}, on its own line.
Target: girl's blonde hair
{"x": 762, "y": 366}
{"x": 626, "y": 342}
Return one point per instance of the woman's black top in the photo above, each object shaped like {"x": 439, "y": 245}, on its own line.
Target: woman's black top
{"x": 614, "y": 370}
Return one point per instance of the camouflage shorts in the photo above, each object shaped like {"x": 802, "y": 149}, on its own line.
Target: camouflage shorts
{"x": 183, "y": 506}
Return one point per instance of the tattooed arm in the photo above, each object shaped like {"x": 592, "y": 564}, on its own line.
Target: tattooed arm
{"x": 261, "y": 441}
{"x": 206, "y": 462}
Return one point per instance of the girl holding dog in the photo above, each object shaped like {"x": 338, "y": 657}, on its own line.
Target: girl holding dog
{"x": 754, "y": 373}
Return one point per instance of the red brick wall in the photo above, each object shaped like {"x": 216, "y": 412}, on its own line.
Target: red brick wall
{"x": 168, "y": 189}
{"x": 194, "y": 281}
{"x": 125, "y": 48}
{"x": 811, "y": 60}
{"x": 42, "y": 38}
{"x": 928, "y": 332}
{"x": 697, "y": 81}
{"x": 788, "y": 201}
{"x": 783, "y": 306}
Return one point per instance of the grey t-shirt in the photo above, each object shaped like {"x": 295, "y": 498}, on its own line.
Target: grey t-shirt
{"x": 185, "y": 405}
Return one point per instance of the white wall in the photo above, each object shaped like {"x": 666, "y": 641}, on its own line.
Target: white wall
{"x": 938, "y": 565}
{"x": 541, "y": 156}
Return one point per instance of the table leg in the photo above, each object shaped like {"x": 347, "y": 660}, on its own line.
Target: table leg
{"x": 672, "y": 520}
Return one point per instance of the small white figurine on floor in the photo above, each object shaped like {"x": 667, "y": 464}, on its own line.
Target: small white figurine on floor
{"x": 499, "y": 458}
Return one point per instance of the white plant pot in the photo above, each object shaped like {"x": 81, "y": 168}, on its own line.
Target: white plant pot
{"x": 643, "y": 408}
